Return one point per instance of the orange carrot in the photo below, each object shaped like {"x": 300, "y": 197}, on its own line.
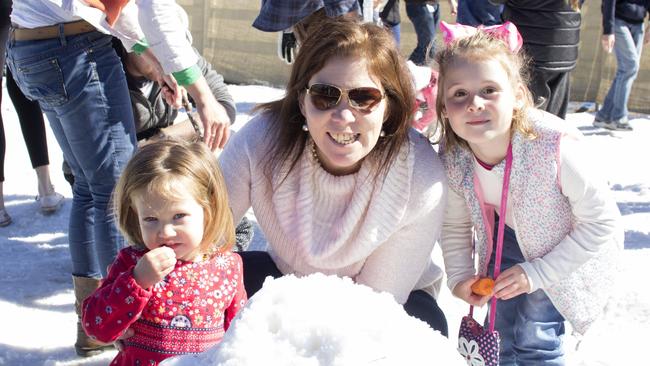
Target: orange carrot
{"x": 483, "y": 286}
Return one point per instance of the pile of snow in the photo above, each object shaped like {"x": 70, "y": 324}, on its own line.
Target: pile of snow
{"x": 325, "y": 320}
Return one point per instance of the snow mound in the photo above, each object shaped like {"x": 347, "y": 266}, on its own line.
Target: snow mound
{"x": 321, "y": 320}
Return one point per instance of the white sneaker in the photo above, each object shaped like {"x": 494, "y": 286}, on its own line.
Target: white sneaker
{"x": 5, "y": 219}
{"x": 51, "y": 202}
{"x": 611, "y": 125}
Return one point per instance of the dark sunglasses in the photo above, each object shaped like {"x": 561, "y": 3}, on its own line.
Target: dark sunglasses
{"x": 325, "y": 96}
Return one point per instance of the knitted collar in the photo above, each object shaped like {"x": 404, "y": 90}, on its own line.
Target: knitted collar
{"x": 367, "y": 211}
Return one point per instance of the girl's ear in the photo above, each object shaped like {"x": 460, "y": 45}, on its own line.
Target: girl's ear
{"x": 520, "y": 96}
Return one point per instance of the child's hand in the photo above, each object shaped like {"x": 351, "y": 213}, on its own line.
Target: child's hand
{"x": 154, "y": 266}
{"x": 463, "y": 290}
{"x": 119, "y": 343}
{"x": 510, "y": 283}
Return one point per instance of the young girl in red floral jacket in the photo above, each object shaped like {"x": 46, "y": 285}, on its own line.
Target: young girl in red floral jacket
{"x": 177, "y": 286}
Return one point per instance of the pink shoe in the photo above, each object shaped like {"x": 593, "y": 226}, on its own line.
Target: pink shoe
{"x": 50, "y": 203}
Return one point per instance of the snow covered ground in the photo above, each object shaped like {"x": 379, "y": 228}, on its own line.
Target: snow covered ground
{"x": 289, "y": 322}
{"x": 36, "y": 298}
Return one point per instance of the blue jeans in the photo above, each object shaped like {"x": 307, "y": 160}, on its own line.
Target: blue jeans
{"x": 530, "y": 327}
{"x": 425, "y": 23}
{"x": 628, "y": 46}
{"x": 477, "y": 12}
{"x": 81, "y": 87}
{"x": 395, "y": 30}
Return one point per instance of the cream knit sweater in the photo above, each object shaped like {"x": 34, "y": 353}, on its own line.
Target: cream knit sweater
{"x": 380, "y": 235}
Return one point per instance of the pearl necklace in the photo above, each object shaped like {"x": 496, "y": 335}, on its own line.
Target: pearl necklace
{"x": 314, "y": 154}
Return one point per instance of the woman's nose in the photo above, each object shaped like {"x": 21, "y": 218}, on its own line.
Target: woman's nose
{"x": 344, "y": 111}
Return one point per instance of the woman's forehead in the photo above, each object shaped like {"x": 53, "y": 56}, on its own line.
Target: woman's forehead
{"x": 347, "y": 71}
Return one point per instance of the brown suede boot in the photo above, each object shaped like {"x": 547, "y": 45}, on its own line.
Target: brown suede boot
{"x": 85, "y": 346}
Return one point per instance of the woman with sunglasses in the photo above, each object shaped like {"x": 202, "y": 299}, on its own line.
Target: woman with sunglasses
{"x": 338, "y": 181}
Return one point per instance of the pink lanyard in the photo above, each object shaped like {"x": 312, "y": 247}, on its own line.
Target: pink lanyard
{"x": 502, "y": 224}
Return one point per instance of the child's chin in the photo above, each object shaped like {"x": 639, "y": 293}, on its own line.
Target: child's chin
{"x": 193, "y": 257}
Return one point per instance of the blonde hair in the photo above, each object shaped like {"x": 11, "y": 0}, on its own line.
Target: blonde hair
{"x": 480, "y": 47}
{"x": 156, "y": 167}
{"x": 575, "y": 5}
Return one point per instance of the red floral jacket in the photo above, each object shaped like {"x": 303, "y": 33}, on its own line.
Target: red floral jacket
{"x": 187, "y": 312}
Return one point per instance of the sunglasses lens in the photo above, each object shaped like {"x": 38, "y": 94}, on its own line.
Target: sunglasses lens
{"x": 324, "y": 97}
{"x": 365, "y": 98}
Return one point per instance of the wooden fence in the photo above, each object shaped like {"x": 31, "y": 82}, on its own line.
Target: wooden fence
{"x": 222, "y": 31}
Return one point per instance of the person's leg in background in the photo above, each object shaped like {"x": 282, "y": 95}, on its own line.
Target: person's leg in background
{"x": 5, "y": 219}
{"x": 97, "y": 154}
{"x": 390, "y": 17}
{"x": 32, "y": 125}
{"x": 627, "y": 47}
{"x": 560, "y": 86}
{"x": 478, "y": 12}
{"x": 397, "y": 33}
{"x": 550, "y": 90}
{"x": 465, "y": 15}
{"x": 425, "y": 20}
{"x": 80, "y": 85}
{"x": 5, "y": 10}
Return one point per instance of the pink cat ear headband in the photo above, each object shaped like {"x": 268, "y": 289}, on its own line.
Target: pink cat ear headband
{"x": 507, "y": 32}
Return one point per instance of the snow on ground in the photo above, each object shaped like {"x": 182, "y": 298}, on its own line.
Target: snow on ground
{"x": 292, "y": 322}
{"x": 36, "y": 298}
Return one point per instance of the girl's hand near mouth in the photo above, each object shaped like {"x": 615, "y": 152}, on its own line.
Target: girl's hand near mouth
{"x": 154, "y": 266}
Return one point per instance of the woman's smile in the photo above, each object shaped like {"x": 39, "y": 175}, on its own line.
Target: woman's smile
{"x": 344, "y": 138}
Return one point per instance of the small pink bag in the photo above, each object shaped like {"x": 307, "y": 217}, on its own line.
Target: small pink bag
{"x": 480, "y": 346}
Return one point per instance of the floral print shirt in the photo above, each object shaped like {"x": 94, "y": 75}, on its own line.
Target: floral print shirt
{"x": 187, "y": 312}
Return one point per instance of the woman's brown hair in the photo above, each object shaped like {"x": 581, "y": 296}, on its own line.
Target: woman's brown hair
{"x": 158, "y": 167}
{"x": 342, "y": 37}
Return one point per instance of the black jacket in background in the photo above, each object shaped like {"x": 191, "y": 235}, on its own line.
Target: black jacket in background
{"x": 632, "y": 11}
{"x": 550, "y": 29}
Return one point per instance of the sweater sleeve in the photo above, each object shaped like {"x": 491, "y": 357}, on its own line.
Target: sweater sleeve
{"x": 117, "y": 304}
{"x": 238, "y": 161}
{"x": 397, "y": 265}
{"x": 240, "y": 297}
{"x": 608, "y": 9}
{"x": 597, "y": 219}
{"x": 166, "y": 35}
{"x": 217, "y": 86}
{"x": 456, "y": 242}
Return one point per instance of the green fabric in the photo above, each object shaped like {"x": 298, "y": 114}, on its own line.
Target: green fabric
{"x": 140, "y": 47}
{"x": 187, "y": 76}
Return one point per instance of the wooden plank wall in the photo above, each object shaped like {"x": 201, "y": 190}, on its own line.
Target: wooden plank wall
{"x": 222, "y": 31}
